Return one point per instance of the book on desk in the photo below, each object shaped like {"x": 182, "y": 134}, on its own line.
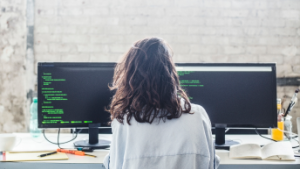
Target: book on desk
{"x": 272, "y": 151}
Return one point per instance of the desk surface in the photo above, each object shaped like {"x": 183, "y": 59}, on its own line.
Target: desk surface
{"x": 29, "y": 143}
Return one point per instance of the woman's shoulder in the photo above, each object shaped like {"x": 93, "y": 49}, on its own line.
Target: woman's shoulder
{"x": 198, "y": 110}
{"x": 195, "y": 109}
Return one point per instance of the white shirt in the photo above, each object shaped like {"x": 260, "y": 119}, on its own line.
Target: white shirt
{"x": 182, "y": 143}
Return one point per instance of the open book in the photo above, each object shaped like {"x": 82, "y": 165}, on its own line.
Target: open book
{"x": 271, "y": 151}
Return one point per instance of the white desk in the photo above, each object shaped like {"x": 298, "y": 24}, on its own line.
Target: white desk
{"x": 80, "y": 162}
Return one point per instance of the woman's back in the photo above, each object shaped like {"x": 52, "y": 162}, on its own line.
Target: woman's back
{"x": 154, "y": 124}
{"x": 180, "y": 143}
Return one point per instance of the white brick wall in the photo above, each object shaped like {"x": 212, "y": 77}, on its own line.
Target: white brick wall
{"x": 103, "y": 30}
{"x": 260, "y": 29}
{"x": 198, "y": 31}
{"x": 12, "y": 69}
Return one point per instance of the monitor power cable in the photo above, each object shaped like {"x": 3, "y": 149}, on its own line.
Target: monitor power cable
{"x": 273, "y": 139}
{"x": 297, "y": 142}
{"x": 264, "y": 136}
{"x": 58, "y": 133}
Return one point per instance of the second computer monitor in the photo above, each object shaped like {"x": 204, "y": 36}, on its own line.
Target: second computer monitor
{"x": 237, "y": 95}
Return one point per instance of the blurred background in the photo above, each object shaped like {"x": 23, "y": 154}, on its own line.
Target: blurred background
{"x": 230, "y": 31}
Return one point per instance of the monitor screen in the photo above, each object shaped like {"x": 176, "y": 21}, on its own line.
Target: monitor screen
{"x": 74, "y": 94}
{"x": 239, "y": 95}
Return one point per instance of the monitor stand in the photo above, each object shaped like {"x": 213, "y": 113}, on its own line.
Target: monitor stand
{"x": 220, "y": 142}
{"x": 93, "y": 140}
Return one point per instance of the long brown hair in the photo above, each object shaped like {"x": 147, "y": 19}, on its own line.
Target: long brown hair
{"x": 147, "y": 85}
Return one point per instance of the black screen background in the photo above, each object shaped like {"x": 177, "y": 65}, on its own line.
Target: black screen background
{"x": 239, "y": 99}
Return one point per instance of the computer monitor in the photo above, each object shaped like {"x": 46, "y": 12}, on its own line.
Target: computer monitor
{"x": 75, "y": 95}
{"x": 233, "y": 95}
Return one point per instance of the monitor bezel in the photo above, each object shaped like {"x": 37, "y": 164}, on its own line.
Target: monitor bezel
{"x": 67, "y": 64}
{"x": 273, "y": 119}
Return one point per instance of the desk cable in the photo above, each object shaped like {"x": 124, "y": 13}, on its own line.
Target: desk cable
{"x": 58, "y": 133}
{"x": 264, "y": 136}
{"x": 276, "y": 140}
{"x": 295, "y": 136}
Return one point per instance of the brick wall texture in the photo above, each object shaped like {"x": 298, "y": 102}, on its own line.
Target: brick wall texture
{"x": 251, "y": 31}
{"x": 12, "y": 70}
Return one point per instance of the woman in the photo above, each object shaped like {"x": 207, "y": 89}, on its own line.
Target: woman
{"x": 154, "y": 124}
